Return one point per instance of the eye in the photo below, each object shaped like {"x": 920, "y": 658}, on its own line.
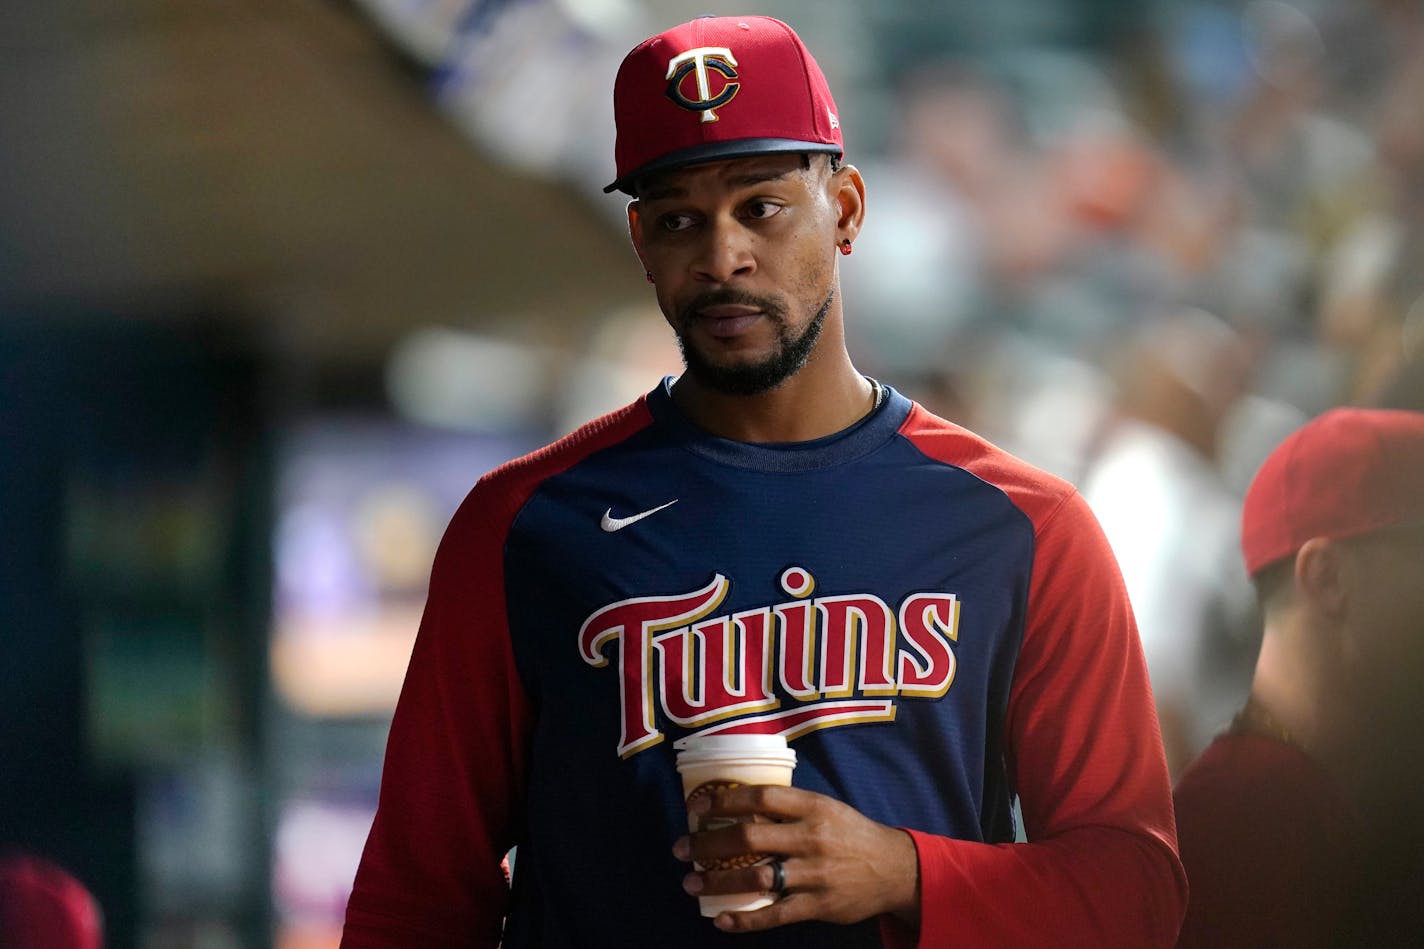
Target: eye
{"x": 674, "y": 223}
{"x": 761, "y": 210}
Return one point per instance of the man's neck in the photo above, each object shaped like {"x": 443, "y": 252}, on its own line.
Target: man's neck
{"x": 819, "y": 400}
{"x": 1294, "y": 689}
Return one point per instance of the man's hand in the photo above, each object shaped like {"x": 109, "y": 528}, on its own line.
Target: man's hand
{"x": 840, "y": 865}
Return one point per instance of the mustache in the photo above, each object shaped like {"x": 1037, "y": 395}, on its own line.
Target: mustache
{"x": 688, "y": 311}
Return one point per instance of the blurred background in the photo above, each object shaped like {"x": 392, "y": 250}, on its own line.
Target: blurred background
{"x": 279, "y": 279}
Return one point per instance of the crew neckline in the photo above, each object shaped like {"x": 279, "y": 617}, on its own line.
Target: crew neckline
{"x": 860, "y": 438}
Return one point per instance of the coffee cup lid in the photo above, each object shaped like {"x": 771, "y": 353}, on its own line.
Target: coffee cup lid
{"x": 740, "y": 744}
{"x": 713, "y": 747}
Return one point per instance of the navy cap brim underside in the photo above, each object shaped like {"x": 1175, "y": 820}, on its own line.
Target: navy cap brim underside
{"x": 716, "y": 151}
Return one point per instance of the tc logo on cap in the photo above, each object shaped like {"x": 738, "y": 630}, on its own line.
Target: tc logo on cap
{"x": 716, "y": 58}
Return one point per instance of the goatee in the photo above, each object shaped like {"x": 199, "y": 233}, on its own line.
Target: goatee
{"x": 785, "y": 361}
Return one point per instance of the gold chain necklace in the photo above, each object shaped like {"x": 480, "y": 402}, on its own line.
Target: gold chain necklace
{"x": 878, "y": 392}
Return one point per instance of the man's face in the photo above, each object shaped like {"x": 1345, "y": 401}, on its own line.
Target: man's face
{"x": 742, "y": 257}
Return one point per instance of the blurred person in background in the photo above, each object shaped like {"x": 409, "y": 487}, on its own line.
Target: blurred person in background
{"x": 1302, "y": 824}
{"x": 1404, "y": 390}
{"x": 969, "y": 643}
{"x": 44, "y": 906}
{"x": 919, "y": 282}
{"x": 1153, "y": 481}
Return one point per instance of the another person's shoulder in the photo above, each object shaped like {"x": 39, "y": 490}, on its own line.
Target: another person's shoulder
{"x": 1246, "y": 792}
{"x": 1268, "y": 844}
{"x": 1237, "y": 763}
{"x": 1036, "y": 492}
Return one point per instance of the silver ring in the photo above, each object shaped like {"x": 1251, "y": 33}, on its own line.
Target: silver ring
{"x": 778, "y": 878}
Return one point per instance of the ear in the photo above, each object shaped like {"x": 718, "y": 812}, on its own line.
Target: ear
{"x": 635, "y": 231}
{"x": 1320, "y": 576}
{"x": 848, "y": 192}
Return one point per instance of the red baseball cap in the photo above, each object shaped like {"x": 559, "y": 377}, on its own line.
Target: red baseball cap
{"x": 719, "y": 87}
{"x": 43, "y": 906}
{"x": 1345, "y": 472}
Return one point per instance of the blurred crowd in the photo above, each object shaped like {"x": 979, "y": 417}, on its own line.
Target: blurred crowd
{"x": 1142, "y": 272}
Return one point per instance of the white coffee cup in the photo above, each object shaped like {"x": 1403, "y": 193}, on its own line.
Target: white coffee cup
{"x": 706, "y": 761}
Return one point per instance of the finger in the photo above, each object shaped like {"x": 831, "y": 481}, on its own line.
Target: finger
{"x": 740, "y": 845}
{"x": 759, "y": 878}
{"x": 769, "y": 800}
{"x": 791, "y": 908}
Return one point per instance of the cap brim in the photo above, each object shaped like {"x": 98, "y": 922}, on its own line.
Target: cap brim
{"x": 717, "y": 151}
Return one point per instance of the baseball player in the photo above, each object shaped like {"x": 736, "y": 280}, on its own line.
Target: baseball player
{"x": 1300, "y": 825}
{"x": 769, "y": 542}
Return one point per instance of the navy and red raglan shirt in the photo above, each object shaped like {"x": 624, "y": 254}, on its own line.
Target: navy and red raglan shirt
{"x": 936, "y": 626}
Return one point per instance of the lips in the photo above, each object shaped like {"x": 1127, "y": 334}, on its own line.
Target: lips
{"x": 727, "y": 320}
{"x": 728, "y": 314}
{"x": 728, "y": 311}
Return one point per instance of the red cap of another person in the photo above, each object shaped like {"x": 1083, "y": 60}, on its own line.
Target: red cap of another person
{"x": 1346, "y": 472}
{"x": 42, "y": 906}
{"x": 716, "y": 88}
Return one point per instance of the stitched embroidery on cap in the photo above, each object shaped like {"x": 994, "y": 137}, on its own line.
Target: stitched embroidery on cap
{"x": 699, "y": 61}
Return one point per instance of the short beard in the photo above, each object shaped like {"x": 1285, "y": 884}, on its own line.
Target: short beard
{"x": 790, "y": 356}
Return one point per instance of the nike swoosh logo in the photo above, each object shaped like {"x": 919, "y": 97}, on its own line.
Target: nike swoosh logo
{"x": 610, "y": 523}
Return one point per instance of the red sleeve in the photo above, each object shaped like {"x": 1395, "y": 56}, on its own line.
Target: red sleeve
{"x": 452, "y": 788}
{"x": 430, "y": 874}
{"x": 1085, "y": 755}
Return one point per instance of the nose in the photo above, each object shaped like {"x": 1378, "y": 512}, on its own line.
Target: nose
{"x": 725, "y": 253}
